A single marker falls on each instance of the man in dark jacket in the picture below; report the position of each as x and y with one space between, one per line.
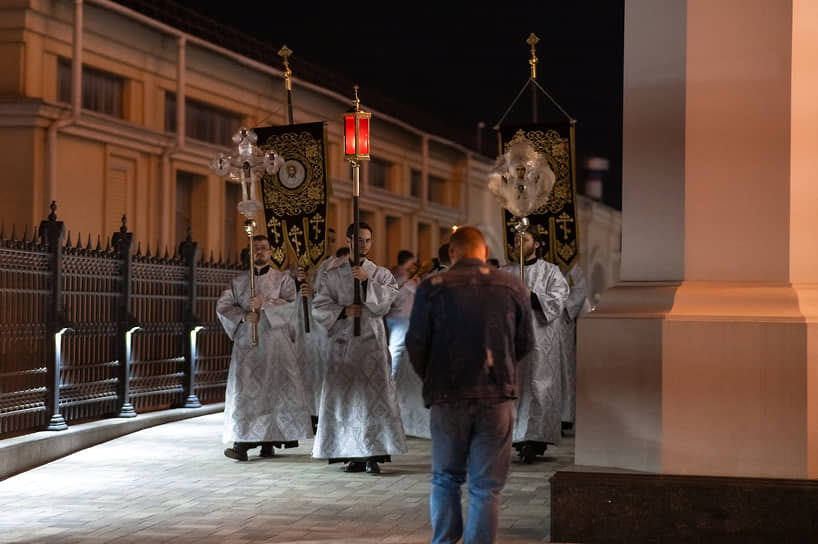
469 327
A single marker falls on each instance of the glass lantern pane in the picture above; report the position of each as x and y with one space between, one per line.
349 135
363 136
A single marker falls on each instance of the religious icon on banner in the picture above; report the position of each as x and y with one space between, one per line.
556 220
295 198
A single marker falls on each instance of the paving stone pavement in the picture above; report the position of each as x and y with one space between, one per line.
171 483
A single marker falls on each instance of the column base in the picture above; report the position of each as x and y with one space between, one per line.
192 402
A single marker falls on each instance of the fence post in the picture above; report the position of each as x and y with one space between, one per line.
126 326
190 254
53 232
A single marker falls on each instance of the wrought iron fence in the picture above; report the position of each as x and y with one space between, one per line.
88 332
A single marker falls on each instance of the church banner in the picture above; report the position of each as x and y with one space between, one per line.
295 198
555 221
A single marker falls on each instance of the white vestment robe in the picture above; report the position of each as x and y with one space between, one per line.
265 399
574 306
413 413
314 344
359 415
539 373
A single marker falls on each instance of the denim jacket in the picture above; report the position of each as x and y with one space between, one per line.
469 327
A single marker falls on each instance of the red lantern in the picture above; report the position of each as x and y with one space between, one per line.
356 132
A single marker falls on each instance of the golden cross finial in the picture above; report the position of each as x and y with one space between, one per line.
357 101
285 53
532 41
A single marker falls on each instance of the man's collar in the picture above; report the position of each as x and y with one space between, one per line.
263 270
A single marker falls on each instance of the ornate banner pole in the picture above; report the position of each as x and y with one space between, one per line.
356 149
285 53
243 165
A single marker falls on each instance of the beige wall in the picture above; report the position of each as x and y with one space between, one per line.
108 167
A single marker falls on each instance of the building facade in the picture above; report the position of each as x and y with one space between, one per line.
108 111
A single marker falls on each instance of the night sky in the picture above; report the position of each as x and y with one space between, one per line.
464 63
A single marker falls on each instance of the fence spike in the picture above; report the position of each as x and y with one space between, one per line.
211 257
108 244
88 243
2 230
13 232
68 239
166 257
99 243
25 233
79 240
148 252
139 249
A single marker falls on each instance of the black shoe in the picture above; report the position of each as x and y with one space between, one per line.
527 454
355 466
267 450
372 467
237 452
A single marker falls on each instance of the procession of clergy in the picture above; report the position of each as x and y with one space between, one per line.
358 395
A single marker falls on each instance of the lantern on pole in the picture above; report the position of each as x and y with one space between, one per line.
356 149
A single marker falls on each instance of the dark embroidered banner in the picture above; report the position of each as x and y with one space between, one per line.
295 198
556 221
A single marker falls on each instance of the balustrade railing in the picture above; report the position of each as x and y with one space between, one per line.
88 332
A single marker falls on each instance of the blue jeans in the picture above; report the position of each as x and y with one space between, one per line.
474 438
397 340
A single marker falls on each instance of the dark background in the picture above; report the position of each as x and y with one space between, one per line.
460 63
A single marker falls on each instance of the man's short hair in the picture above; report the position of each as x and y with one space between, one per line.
260 237
537 237
467 238
404 256
443 254
361 226
342 252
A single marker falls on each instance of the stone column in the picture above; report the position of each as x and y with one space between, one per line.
703 359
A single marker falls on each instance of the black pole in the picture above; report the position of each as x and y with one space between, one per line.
290 105
356 250
534 114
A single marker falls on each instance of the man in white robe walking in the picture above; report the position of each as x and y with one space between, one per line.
265 404
538 421
358 421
